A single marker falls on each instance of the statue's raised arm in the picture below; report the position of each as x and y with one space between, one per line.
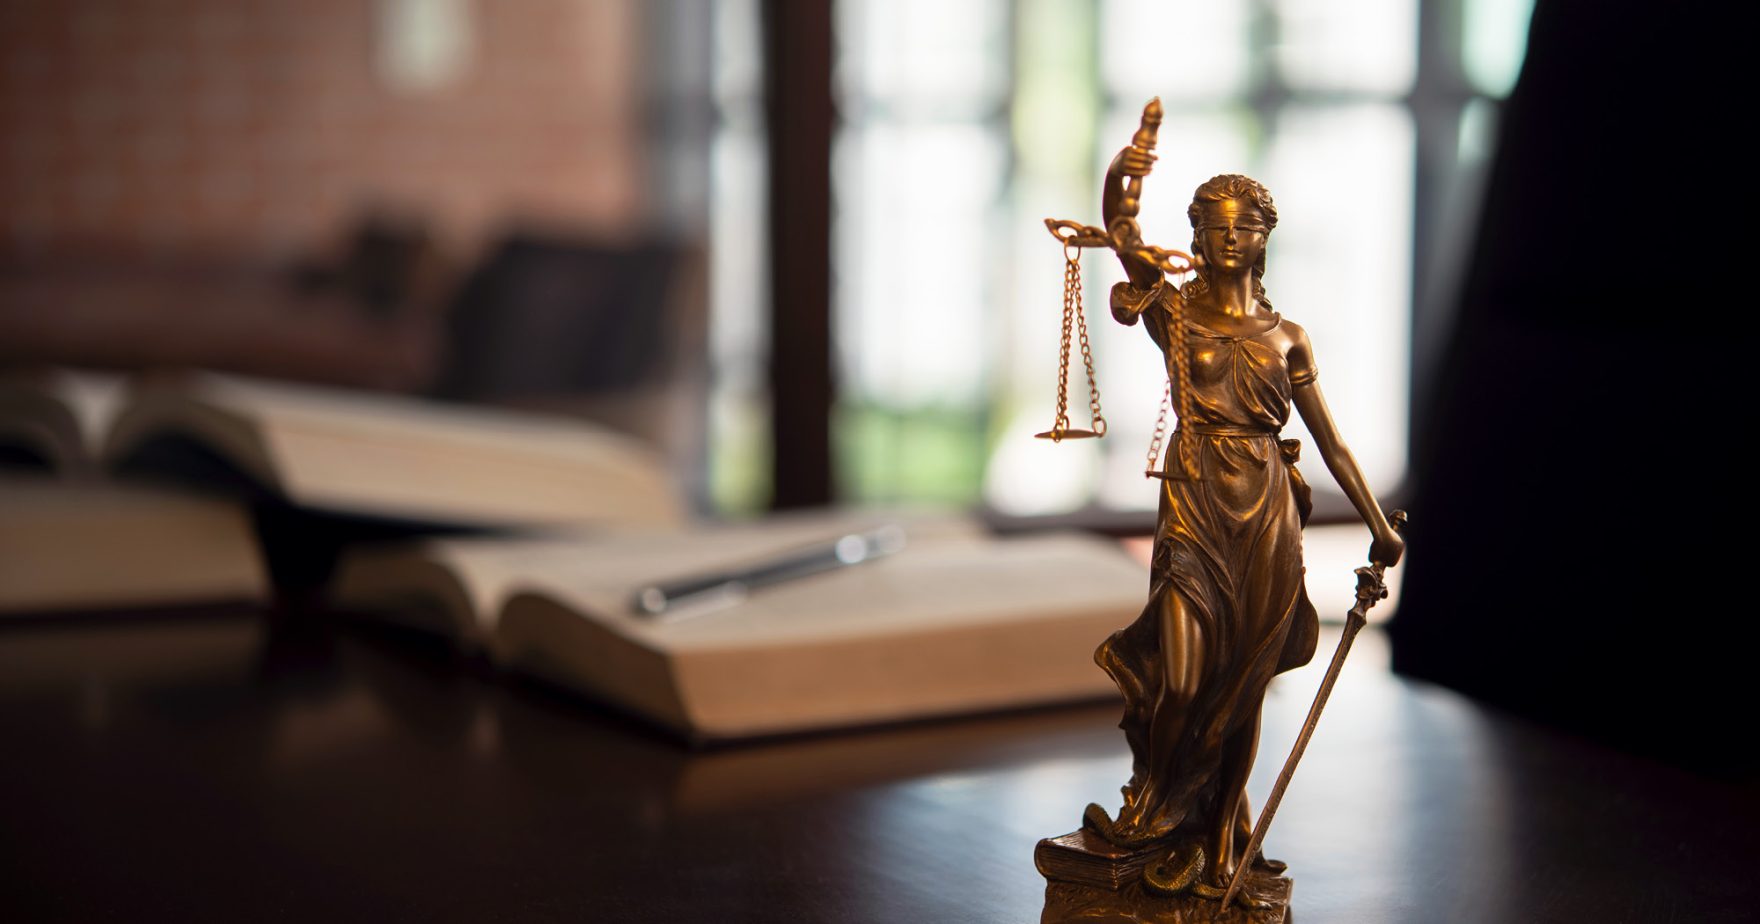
1121 199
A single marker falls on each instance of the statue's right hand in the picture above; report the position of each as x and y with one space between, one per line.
1133 161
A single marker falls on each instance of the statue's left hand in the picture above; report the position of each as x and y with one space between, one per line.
1387 549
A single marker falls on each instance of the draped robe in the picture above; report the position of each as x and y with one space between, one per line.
1230 545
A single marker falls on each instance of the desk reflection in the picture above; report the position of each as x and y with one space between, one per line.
204 766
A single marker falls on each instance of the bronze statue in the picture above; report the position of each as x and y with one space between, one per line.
1227 607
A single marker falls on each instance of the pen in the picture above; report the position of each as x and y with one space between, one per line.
726 588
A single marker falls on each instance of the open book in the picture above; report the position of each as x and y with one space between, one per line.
955 622
89 546
336 451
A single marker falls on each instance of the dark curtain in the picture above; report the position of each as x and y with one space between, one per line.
1580 537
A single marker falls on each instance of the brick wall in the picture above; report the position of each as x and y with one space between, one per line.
266 126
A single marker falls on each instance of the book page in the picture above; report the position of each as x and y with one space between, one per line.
935 581
608 566
404 458
949 624
94 399
59 414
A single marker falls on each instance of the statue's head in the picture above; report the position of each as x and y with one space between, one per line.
1237 202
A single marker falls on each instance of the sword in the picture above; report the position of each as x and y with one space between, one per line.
1370 588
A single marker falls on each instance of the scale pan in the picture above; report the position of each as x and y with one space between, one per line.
1066 435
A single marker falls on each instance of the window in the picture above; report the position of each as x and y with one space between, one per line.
961 133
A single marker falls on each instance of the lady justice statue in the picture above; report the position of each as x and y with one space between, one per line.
1227 608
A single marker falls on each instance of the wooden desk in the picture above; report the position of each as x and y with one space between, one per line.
219 769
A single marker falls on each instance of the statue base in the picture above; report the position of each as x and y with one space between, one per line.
1094 882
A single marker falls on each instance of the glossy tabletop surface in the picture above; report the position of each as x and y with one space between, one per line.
235 767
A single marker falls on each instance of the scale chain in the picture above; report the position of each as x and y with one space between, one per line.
1099 420
1072 282
1155 442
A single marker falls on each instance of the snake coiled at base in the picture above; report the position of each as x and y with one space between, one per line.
1169 877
